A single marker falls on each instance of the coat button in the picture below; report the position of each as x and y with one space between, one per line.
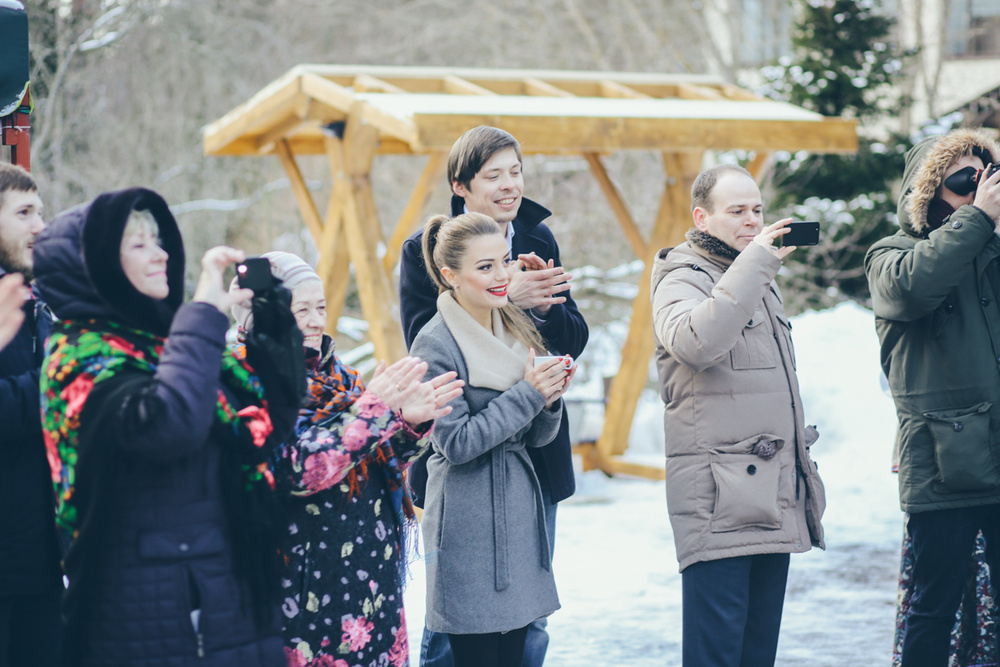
751 469
984 301
184 547
958 426
949 307
956 224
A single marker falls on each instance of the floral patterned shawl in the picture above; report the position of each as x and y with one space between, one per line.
83 354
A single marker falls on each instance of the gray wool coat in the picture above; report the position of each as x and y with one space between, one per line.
489 565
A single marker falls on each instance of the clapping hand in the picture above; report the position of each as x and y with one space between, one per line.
400 386
538 284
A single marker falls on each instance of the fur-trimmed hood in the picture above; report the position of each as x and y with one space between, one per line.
77 262
924 172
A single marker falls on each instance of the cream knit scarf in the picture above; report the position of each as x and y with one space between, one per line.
495 361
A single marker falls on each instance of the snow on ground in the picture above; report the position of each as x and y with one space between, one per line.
615 562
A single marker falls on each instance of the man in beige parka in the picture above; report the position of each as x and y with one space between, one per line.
742 492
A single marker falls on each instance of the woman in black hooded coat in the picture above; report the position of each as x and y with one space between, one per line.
158 439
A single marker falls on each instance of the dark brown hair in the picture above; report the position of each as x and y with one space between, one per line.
474 148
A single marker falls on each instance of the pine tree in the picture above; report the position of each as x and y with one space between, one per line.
843 64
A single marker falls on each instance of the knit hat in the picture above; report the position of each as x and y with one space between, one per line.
290 269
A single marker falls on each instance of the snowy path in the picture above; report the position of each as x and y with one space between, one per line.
615 562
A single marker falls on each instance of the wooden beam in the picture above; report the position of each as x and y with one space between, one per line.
363 232
617 203
454 85
275 102
414 209
534 86
307 207
760 164
365 83
280 130
633 374
343 99
687 91
615 89
563 134
334 266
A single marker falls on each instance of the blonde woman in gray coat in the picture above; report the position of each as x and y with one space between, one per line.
489 568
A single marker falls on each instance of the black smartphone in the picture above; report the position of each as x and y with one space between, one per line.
254 273
801 233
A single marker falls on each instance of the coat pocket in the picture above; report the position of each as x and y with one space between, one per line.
962 449
755 347
746 484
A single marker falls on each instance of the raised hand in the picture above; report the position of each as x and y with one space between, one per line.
537 287
988 197
771 232
211 289
394 384
430 399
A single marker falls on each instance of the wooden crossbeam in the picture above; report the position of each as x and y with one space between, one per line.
415 206
615 89
454 85
307 207
340 98
578 134
617 203
689 91
364 83
533 86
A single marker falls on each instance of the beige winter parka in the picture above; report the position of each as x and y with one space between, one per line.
738 474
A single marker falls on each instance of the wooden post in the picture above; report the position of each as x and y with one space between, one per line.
350 163
672 221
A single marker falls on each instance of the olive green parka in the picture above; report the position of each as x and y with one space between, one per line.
936 297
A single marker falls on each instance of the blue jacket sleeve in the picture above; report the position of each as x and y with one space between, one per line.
169 416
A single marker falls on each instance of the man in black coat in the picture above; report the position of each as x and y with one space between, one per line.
30 577
484 173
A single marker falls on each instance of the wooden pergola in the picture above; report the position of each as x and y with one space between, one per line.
353 113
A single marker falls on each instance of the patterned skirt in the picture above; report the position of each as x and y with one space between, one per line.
973 639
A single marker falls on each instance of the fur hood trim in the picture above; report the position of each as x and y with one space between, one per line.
926 164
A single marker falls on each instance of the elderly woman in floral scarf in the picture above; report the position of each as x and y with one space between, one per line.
348 514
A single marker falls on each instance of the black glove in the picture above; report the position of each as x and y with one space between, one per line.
274 347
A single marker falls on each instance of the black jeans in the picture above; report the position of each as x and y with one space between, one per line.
30 630
731 610
496 649
943 541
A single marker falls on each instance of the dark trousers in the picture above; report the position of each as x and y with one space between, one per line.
943 542
496 649
732 610
30 630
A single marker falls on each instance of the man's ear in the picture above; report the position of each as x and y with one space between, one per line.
700 216
459 189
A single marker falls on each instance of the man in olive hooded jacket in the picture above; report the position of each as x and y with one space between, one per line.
935 288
